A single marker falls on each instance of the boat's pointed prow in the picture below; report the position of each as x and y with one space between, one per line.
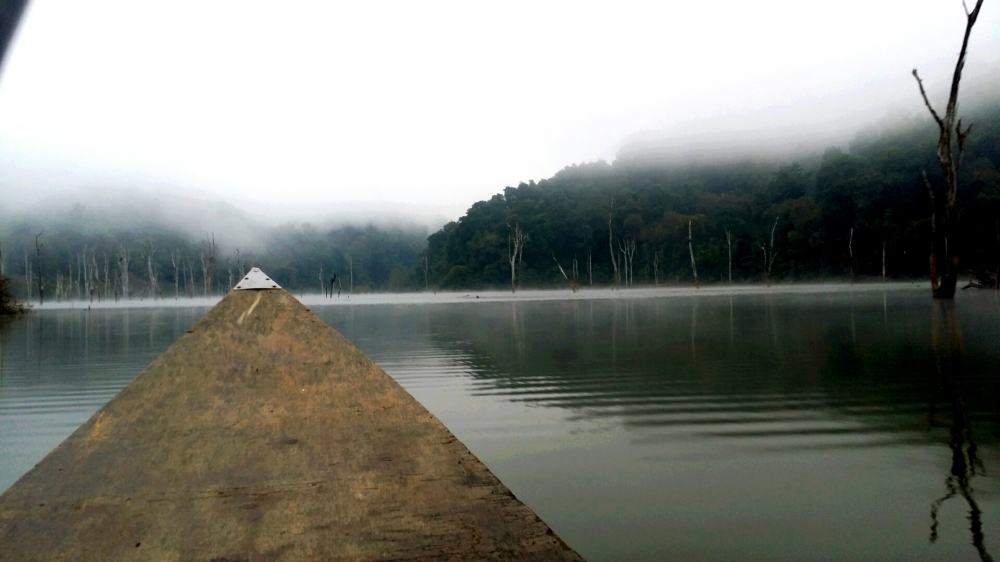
256 279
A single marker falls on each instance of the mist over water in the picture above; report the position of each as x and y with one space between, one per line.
843 424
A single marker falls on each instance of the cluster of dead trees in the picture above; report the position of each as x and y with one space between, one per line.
93 274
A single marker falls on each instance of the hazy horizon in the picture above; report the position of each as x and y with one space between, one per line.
395 110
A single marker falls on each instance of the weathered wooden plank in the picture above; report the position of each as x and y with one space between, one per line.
263 434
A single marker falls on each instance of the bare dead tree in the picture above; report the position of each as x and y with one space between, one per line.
123 269
107 278
322 283
569 281
427 274
694 268
590 267
95 271
151 276
729 249
177 274
516 239
769 253
27 275
943 268
627 248
850 250
41 271
350 270
189 283
208 264
84 272
611 242
656 267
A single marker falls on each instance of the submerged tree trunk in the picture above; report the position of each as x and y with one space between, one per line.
611 243
123 269
943 262
694 268
729 248
569 281
515 247
41 271
850 251
883 261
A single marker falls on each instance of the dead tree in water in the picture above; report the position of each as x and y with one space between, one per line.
107 278
729 249
627 248
177 274
515 248
694 268
850 251
123 269
950 150
656 267
41 272
573 285
769 253
611 242
154 285
207 264
27 276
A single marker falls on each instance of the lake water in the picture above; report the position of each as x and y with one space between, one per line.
827 423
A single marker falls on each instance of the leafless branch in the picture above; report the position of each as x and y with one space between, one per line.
927 102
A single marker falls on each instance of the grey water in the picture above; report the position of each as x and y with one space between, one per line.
849 423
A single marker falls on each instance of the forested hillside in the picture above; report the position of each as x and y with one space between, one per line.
860 211
850 212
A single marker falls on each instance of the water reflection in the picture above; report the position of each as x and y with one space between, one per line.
57 367
740 409
693 427
946 342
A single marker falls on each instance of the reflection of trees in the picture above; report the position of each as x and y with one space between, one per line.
946 343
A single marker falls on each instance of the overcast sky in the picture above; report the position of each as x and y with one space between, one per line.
425 107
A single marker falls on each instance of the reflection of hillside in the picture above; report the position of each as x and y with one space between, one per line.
720 386
831 374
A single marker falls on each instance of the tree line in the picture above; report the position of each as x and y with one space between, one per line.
73 261
856 212
862 211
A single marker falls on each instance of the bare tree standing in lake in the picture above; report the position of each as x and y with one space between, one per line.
208 264
41 272
950 150
611 242
769 253
123 268
694 268
177 274
154 285
729 250
515 247
850 251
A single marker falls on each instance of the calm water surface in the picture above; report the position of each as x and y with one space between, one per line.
841 425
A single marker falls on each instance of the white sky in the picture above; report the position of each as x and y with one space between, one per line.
426 107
